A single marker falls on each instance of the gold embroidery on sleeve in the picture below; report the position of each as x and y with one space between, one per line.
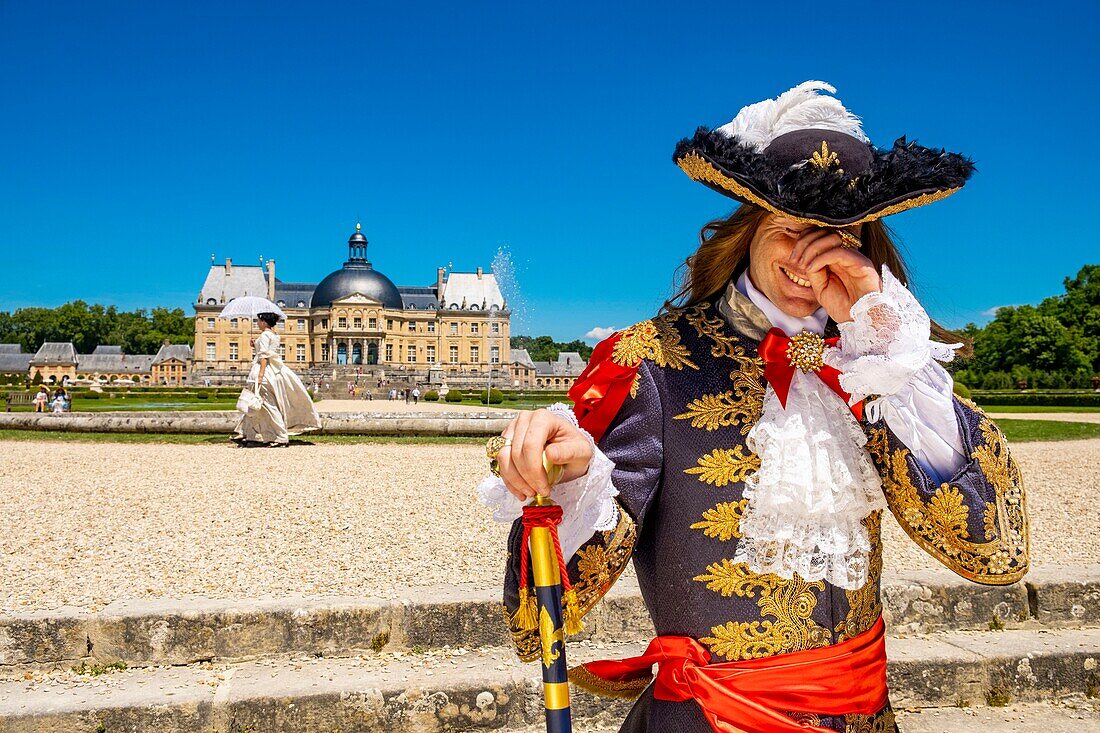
790 603
724 466
940 526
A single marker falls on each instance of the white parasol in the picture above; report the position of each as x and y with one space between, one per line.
250 306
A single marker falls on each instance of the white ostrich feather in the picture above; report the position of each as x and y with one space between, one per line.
799 108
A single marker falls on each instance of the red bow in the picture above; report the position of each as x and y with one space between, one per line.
779 368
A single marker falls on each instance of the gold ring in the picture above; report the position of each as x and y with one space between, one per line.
494 467
496 444
848 240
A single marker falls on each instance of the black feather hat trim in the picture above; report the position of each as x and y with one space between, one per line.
824 177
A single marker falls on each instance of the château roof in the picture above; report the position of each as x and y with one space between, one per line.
229 281
182 352
55 352
474 288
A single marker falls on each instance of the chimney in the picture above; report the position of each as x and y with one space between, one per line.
438 281
479 273
228 266
271 279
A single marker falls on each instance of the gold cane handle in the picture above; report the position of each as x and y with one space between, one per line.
553 475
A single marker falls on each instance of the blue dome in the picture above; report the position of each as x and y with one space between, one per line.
357 276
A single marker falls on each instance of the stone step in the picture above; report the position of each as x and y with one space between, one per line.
1068 716
490 689
181 632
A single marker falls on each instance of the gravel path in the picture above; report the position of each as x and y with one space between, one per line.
83 524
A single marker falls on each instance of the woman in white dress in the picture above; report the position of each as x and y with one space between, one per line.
287 407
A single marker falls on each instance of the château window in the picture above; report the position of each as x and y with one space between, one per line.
412 353
454 327
357 323
342 322
301 324
389 352
431 326
282 351
431 354
494 355
210 324
475 354
496 328
454 354
474 328
300 352
389 324
324 324
234 353
324 352
412 326
372 323
211 351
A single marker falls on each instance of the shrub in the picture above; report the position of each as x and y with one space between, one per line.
89 396
961 390
202 395
431 396
491 397
1041 399
454 395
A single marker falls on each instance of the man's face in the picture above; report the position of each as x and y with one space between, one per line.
773 273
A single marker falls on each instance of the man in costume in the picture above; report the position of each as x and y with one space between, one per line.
740 446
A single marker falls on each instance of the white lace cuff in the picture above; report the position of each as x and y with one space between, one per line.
886 343
587 502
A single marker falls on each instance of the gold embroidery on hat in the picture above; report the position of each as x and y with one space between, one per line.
825 158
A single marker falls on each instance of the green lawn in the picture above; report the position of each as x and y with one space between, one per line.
1020 431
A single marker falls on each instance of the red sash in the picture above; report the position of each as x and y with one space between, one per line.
751 696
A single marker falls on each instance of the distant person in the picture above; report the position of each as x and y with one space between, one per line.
287 407
41 398
393 393
60 400
416 395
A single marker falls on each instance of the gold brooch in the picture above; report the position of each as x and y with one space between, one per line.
806 351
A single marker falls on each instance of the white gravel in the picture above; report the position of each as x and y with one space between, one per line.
84 524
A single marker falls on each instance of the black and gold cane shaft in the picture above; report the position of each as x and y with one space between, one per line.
544 565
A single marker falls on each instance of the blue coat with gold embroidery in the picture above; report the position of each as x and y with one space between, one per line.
678 444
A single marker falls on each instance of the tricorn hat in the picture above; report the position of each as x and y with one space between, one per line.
805 156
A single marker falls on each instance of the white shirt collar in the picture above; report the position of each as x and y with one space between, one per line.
790 325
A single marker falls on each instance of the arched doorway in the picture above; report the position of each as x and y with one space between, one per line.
342 354
357 353
372 353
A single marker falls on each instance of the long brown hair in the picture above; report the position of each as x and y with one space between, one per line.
724 251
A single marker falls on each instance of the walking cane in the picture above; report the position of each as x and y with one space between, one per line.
547 566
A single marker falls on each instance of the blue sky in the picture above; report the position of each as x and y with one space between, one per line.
140 138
